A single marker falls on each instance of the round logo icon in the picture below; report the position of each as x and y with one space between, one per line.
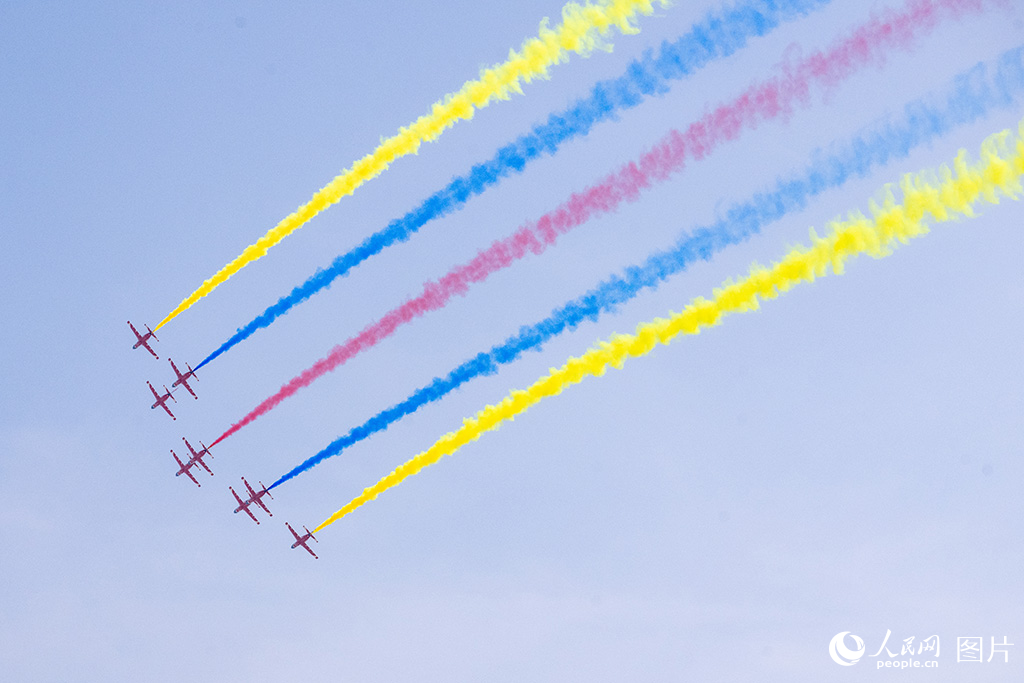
842 655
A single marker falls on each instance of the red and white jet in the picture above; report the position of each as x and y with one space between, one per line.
198 457
183 378
183 468
143 339
162 400
254 497
302 540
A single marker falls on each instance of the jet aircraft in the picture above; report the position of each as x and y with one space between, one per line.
183 378
162 400
302 540
143 339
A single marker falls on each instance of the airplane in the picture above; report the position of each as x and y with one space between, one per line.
243 506
162 400
198 457
183 378
183 468
143 339
302 540
254 497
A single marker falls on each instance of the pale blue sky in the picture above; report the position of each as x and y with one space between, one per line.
847 458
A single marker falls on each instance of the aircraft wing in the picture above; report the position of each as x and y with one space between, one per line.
310 551
168 410
251 516
199 459
293 531
184 383
259 502
155 395
188 471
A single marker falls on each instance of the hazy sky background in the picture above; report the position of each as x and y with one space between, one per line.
845 459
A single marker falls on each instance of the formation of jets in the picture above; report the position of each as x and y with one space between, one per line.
254 497
195 458
182 379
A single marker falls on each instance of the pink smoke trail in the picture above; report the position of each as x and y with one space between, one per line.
764 101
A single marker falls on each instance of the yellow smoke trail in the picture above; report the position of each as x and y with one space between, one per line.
581 31
942 196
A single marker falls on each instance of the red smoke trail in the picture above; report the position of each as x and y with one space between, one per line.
761 102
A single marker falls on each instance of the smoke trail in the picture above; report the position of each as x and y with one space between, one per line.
761 102
970 97
719 35
924 196
581 31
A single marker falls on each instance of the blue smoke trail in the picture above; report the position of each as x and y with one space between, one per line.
719 35
971 95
